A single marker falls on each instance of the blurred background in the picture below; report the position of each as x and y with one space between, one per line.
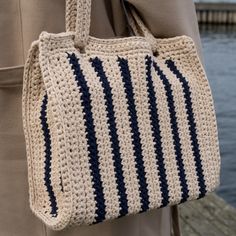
216 214
217 23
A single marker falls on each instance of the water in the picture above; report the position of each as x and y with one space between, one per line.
219 49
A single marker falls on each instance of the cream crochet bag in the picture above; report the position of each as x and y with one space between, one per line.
115 126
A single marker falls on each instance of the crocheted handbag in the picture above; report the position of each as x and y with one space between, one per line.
115 126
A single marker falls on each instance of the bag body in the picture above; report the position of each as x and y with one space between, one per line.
115 126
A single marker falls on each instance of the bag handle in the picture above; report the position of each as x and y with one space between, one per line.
139 28
78 18
78 15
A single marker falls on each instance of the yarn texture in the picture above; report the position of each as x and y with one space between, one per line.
113 130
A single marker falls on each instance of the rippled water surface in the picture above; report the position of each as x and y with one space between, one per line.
219 49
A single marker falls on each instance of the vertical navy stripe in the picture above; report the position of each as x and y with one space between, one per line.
175 132
156 133
107 90
126 77
48 156
192 126
91 137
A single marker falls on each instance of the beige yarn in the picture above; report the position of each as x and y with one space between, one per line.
78 14
56 123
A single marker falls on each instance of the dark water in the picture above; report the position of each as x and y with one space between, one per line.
219 49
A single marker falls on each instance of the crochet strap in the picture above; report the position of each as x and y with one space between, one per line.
139 27
71 13
78 14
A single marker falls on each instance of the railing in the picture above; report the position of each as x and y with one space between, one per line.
216 13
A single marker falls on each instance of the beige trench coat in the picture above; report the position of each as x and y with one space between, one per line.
21 21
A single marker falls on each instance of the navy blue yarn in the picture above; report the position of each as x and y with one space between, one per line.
175 132
157 134
91 138
48 156
107 90
126 77
192 126
62 188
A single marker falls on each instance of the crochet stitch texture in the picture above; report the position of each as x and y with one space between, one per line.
115 130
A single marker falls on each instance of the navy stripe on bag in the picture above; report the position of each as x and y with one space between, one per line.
48 156
91 137
136 140
107 90
192 126
175 132
156 133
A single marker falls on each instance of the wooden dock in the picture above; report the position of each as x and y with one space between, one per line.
216 13
210 216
